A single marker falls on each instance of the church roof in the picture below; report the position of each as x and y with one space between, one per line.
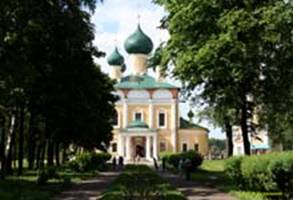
185 124
138 42
137 124
115 59
142 82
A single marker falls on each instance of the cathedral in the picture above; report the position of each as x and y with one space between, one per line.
147 121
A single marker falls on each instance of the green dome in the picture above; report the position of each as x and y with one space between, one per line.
138 42
115 58
137 124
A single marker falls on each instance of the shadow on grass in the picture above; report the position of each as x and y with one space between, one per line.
25 187
11 189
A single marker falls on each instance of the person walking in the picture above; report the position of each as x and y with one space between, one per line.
114 163
155 164
121 162
180 166
187 168
164 164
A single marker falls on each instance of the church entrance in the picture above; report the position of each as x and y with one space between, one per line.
139 146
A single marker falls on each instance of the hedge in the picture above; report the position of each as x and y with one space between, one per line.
174 159
139 182
89 161
267 173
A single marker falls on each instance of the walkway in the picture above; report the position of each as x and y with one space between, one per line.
194 190
89 189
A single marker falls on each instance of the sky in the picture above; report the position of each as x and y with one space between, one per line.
115 20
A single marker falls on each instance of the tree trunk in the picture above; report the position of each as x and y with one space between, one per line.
229 141
42 154
244 128
50 152
50 145
8 145
2 145
31 141
57 154
64 154
21 140
38 156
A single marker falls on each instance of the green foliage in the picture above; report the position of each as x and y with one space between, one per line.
140 182
89 161
47 174
217 145
47 68
281 171
268 172
233 169
223 51
195 158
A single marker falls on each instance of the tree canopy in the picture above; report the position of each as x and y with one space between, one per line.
52 94
238 54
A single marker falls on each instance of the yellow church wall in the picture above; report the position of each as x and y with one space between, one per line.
162 108
165 137
138 108
192 137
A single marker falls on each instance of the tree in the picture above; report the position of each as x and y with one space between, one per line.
217 146
52 85
227 49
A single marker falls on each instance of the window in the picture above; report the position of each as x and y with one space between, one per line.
114 147
184 147
196 148
162 146
162 119
138 116
115 119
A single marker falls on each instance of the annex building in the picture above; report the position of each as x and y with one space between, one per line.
148 120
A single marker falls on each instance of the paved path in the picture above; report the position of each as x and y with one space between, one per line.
195 191
89 189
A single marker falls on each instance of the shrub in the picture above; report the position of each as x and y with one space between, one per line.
46 174
281 171
270 172
141 182
195 158
89 161
233 170
255 173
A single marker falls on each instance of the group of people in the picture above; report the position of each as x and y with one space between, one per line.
184 165
120 162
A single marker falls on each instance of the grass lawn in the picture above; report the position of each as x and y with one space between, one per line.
25 188
212 173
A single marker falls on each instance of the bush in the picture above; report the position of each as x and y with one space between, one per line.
270 172
195 158
255 173
281 171
141 182
46 174
89 161
233 170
